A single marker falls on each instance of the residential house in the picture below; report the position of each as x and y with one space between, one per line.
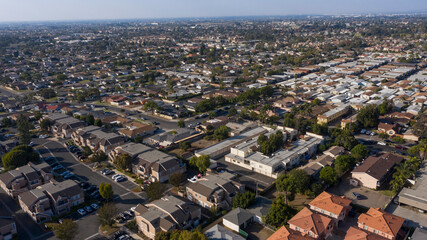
96 139
133 129
381 223
375 170
65 126
166 214
312 224
390 129
238 219
80 135
157 165
216 190
219 232
51 199
25 178
285 233
7 227
260 208
333 206
334 151
359 234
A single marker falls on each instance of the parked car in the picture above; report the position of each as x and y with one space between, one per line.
68 175
356 195
57 167
120 179
84 185
81 212
31 144
368 132
43 136
94 206
88 209
363 131
90 189
115 176
106 171
381 143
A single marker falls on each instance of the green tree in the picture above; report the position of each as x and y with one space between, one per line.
399 140
294 181
279 213
243 200
202 162
385 107
185 145
24 127
384 136
123 162
329 175
232 112
98 122
6 122
107 213
181 123
359 152
106 191
19 156
67 230
151 105
221 133
99 156
90 119
45 124
344 163
47 93
37 115
86 151
176 179
368 116
155 190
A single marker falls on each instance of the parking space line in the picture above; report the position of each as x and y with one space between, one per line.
92 236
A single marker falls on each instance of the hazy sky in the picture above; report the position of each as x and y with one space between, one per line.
35 10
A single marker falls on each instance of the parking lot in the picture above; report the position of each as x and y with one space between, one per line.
123 197
368 197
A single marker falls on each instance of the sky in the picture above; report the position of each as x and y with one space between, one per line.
58 10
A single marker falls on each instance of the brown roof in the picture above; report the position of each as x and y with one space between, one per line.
308 220
358 234
331 203
288 234
377 219
378 167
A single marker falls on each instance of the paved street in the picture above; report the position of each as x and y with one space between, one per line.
124 199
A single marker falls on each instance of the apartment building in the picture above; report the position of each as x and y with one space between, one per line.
334 114
66 126
96 139
379 222
157 165
166 214
312 224
25 178
51 199
214 190
333 206
246 154
7 227
376 170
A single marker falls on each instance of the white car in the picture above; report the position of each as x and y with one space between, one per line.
31 144
115 176
382 143
44 136
193 179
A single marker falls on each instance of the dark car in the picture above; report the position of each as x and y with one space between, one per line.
84 185
90 189
356 195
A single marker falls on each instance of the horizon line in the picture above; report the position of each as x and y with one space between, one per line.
422 12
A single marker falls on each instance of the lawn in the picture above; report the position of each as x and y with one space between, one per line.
300 201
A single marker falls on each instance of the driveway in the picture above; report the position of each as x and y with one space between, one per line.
369 198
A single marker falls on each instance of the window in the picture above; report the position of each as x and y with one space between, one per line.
322 211
365 227
297 228
375 231
310 234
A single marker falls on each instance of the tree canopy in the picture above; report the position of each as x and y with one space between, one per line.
67 230
106 191
368 116
19 156
123 162
329 175
279 213
243 200
202 162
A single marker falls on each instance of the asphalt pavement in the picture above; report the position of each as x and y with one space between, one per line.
123 197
